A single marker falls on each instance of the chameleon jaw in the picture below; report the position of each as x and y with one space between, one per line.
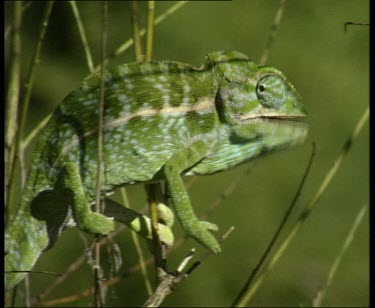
292 126
287 120
271 116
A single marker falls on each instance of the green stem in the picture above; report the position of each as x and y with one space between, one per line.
125 46
129 43
83 35
136 32
150 29
25 104
14 88
142 262
153 191
100 158
34 132
9 28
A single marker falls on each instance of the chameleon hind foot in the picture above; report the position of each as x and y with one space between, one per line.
139 223
165 214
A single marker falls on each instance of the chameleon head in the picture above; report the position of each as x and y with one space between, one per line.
258 101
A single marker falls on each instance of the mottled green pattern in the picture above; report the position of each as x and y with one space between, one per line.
161 120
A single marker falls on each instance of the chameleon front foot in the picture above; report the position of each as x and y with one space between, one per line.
209 226
201 232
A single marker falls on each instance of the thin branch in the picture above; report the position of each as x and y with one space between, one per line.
85 44
133 269
154 196
139 56
99 175
25 105
13 101
10 28
135 239
150 29
169 281
74 266
320 296
110 282
272 33
136 32
227 192
308 209
154 190
276 235
129 43
120 50
35 132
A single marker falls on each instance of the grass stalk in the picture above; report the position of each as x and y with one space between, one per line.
317 302
10 27
18 158
129 43
277 233
98 294
150 29
138 51
307 211
81 30
138 248
120 50
136 32
13 98
272 33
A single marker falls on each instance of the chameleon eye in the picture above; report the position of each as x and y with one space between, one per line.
262 88
271 91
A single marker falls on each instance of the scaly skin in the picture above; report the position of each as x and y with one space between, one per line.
162 120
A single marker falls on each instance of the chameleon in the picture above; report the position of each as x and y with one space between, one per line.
162 121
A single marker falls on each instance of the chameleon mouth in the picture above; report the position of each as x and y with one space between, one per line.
271 115
282 119
296 121
290 129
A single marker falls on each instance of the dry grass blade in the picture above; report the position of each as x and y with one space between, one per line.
272 33
317 302
277 233
306 212
129 43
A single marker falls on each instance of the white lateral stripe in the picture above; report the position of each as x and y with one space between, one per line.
204 104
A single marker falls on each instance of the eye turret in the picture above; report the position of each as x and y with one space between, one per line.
271 91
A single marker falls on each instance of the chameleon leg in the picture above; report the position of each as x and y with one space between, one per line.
180 198
137 222
86 219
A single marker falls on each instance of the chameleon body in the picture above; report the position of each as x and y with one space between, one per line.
162 120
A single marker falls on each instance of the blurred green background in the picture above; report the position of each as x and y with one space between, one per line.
329 67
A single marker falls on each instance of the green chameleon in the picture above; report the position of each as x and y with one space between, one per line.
162 120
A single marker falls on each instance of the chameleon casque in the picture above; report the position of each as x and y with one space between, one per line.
162 120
